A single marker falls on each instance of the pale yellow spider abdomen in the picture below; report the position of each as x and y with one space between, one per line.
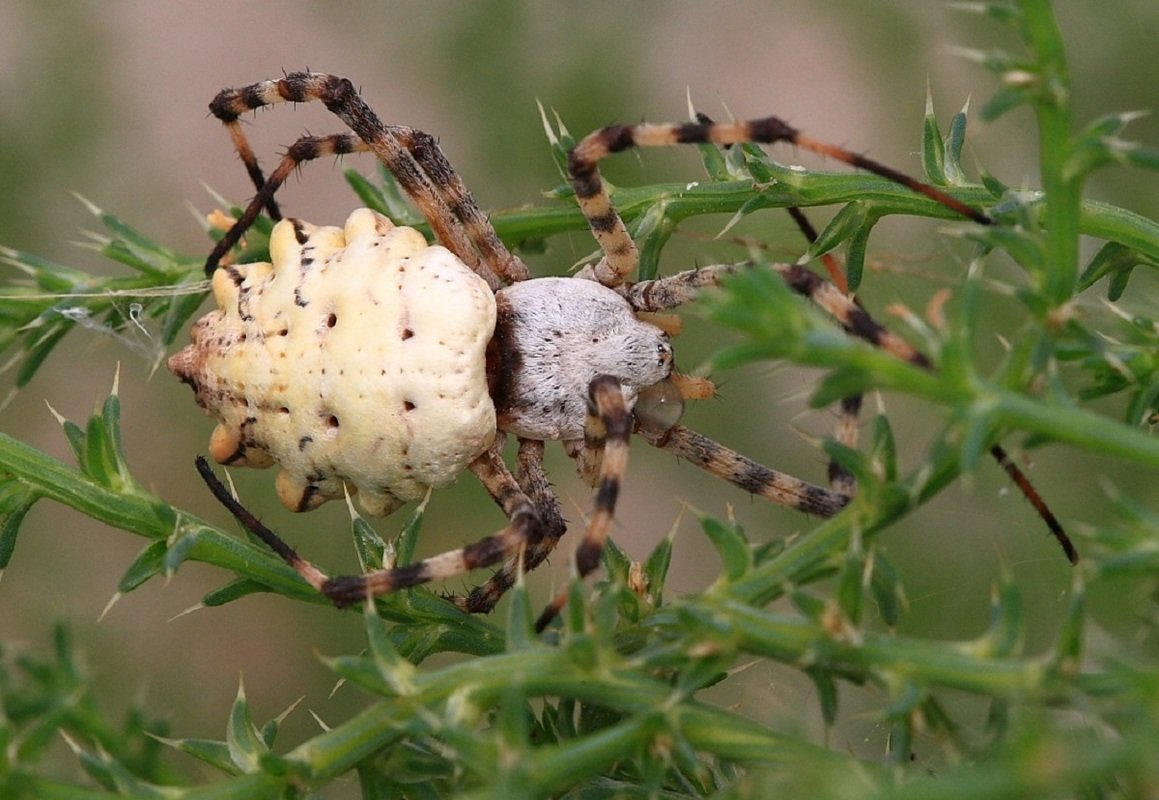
356 357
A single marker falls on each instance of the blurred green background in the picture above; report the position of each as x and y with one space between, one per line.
109 101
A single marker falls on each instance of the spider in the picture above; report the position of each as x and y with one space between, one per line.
364 360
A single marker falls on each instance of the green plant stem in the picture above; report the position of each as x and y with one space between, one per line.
146 516
544 672
1063 191
876 656
42 789
1075 427
684 201
1114 224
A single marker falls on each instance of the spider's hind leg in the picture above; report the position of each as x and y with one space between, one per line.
524 531
533 480
309 573
412 156
305 149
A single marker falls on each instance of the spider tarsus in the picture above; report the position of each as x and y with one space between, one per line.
548 615
1030 493
248 521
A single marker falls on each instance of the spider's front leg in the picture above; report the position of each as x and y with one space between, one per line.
608 427
744 473
655 417
667 293
621 256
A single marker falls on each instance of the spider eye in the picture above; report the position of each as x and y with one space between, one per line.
659 407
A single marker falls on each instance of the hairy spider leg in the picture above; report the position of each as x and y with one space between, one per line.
620 254
744 473
845 431
608 427
841 480
832 265
857 322
412 157
524 529
534 482
664 294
